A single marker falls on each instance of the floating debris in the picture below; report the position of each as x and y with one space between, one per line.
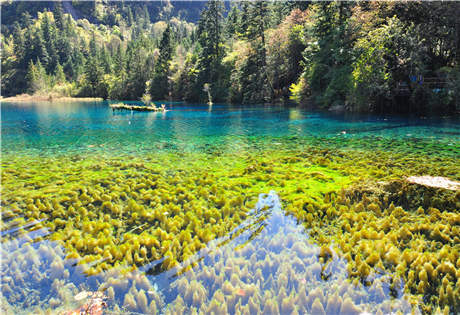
139 108
434 181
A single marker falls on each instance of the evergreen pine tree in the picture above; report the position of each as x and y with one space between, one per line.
18 45
118 60
105 60
146 17
231 25
93 75
92 46
159 84
330 71
49 37
68 27
58 15
130 18
26 19
32 75
36 77
259 88
59 75
137 75
212 52
244 20
39 49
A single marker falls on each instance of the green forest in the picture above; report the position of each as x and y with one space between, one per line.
357 56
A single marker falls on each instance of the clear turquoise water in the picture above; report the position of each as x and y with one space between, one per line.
63 127
268 251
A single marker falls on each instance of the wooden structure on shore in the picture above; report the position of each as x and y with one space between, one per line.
139 108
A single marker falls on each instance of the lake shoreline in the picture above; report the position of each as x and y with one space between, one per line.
47 98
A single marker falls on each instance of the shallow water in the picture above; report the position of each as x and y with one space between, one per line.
88 194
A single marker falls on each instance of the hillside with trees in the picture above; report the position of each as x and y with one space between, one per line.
359 56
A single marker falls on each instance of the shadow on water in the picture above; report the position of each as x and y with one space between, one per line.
267 264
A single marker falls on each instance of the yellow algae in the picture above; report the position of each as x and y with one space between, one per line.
183 211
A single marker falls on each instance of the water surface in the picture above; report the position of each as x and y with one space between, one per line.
180 196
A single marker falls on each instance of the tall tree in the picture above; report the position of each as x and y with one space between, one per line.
159 87
58 15
119 60
232 21
18 44
49 36
59 75
146 17
36 77
39 49
212 49
130 17
328 56
260 88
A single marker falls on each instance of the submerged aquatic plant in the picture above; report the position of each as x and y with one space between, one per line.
127 212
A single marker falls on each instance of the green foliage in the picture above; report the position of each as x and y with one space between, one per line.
367 56
59 76
210 34
232 21
385 59
36 77
328 54
159 86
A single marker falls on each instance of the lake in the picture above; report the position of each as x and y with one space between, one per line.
225 209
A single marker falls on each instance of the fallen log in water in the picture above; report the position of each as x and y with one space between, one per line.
436 182
139 108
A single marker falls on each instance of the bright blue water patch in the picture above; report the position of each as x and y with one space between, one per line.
62 127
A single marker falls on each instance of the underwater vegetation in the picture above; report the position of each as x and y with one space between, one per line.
28 267
279 272
118 217
397 227
39 279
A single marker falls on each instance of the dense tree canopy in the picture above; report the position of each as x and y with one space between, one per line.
366 56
